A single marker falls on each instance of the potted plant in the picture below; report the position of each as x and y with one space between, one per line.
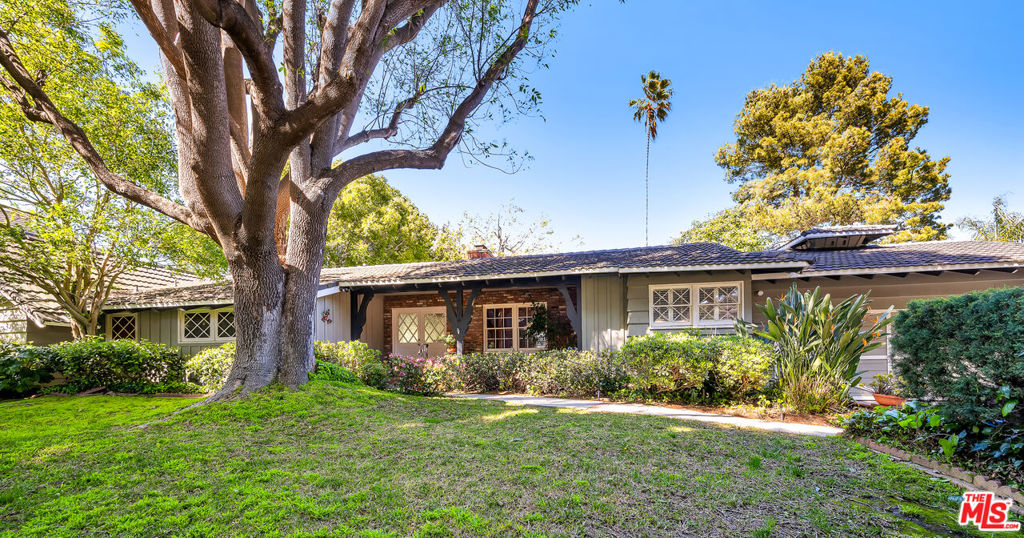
887 388
449 342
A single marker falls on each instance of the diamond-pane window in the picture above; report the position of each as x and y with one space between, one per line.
670 306
197 325
225 325
408 328
719 303
433 327
123 327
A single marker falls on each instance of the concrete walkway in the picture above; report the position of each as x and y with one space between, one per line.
658 411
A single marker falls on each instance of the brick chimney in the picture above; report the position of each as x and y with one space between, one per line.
478 251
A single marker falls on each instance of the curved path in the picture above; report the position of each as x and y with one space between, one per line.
659 411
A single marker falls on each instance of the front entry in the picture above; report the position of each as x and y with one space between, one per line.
418 331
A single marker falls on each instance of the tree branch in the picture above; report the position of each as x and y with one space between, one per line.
81 144
164 40
386 132
245 32
434 157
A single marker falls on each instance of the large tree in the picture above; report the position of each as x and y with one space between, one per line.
61 230
834 148
650 110
729 227
372 223
362 87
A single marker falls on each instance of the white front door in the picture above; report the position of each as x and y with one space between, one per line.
418 331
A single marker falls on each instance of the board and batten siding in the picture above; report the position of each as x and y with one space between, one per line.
638 295
340 327
886 291
602 312
373 329
162 326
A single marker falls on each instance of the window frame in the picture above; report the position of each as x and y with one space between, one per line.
110 324
215 336
695 321
515 327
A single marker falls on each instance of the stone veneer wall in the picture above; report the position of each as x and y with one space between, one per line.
475 335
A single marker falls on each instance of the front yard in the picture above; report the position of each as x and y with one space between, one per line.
344 459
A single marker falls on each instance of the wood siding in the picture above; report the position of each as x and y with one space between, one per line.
602 312
638 295
373 330
886 291
13 323
340 328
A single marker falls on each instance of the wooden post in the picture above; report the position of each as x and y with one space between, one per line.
572 312
459 314
359 307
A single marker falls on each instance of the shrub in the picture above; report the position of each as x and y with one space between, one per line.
210 367
351 355
743 366
963 349
668 362
329 371
374 374
819 346
569 372
487 372
24 367
120 366
411 375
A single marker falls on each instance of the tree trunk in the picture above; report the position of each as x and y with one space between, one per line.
258 287
305 259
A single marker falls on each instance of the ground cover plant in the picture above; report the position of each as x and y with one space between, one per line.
336 458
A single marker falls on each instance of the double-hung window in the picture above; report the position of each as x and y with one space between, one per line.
675 306
505 328
207 325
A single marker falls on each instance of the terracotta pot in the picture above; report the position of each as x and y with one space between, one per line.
452 350
887 399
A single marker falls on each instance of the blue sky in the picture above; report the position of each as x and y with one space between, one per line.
962 59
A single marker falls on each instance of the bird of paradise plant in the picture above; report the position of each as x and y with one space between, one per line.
819 344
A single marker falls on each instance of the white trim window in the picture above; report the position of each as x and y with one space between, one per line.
206 325
123 326
505 328
712 304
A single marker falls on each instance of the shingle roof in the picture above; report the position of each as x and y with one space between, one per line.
915 255
688 257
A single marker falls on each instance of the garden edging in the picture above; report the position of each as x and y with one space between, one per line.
966 479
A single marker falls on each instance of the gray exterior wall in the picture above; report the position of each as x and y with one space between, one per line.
13 323
48 334
886 291
602 312
638 295
340 327
373 329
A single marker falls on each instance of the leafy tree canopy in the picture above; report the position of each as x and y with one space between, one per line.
62 230
373 223
1004 226
729 227
834 148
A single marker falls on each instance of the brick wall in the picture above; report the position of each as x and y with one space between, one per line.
475 335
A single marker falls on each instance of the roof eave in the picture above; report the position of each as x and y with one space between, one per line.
893 269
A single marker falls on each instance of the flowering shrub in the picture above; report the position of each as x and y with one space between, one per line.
210 367
415 375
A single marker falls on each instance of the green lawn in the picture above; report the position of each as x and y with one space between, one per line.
340 459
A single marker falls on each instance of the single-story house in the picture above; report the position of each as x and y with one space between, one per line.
606 295
29 314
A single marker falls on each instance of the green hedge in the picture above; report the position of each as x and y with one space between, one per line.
24 367
963 349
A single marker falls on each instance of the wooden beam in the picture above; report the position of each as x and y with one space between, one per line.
358 307
460 314
573 312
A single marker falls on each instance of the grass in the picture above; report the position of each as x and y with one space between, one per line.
344 459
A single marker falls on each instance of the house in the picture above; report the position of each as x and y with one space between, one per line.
606 295
28 314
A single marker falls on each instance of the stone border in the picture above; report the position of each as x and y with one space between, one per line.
966 479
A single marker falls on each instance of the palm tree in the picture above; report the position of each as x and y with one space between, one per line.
1005 226
649 110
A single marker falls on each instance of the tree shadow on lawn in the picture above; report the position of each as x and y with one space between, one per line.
345 459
